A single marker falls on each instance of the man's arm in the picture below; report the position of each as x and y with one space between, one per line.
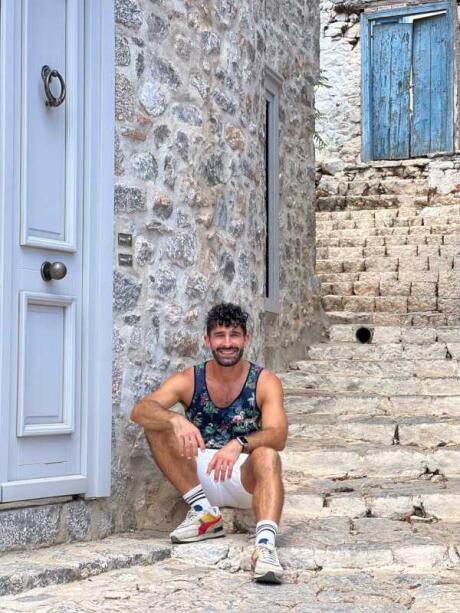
274 420
152 413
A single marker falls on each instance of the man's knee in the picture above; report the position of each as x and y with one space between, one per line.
159 439
266 460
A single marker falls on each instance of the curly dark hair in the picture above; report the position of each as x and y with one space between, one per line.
226 314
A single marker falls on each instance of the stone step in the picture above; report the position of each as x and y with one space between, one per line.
329 459
428 498
384 201
397 334
389 303
397 369
205 584
442 386
399 251
369 280
340 543
348 230
389 264
394 319
360 239
372 352
440 212
22 571
423 431
311 402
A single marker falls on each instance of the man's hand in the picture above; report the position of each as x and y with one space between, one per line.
188 436
223 461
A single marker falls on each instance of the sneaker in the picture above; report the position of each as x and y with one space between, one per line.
265 564
199 525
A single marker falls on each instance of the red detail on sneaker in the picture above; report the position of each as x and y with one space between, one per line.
207 524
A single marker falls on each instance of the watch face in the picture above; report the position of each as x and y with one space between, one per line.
244 440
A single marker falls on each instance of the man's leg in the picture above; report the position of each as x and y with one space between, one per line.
205 521
179 470
261 476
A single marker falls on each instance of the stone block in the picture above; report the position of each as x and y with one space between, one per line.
353 265
328 266
392 304
429 250
332 303
381 264
449 305
31 526
361 304
394 288
441 263
401 251
449 284
413 263
342 289
374 251
391 334
366 288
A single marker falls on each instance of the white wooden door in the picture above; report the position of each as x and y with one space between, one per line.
45 434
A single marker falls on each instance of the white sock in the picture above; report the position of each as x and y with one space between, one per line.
196 499
266 531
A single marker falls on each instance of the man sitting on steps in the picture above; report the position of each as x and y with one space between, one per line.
225 451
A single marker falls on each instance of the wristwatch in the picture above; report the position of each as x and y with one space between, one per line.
243 441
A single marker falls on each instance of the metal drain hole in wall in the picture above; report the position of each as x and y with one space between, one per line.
363 335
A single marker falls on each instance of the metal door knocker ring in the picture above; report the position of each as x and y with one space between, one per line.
47 76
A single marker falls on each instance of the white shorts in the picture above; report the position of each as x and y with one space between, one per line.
228 493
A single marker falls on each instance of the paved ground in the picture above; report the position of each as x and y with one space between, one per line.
210 576
173 585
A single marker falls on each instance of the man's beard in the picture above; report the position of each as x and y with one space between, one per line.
229 360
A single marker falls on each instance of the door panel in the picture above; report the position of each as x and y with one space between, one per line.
432 125
391 90
50 139
45 440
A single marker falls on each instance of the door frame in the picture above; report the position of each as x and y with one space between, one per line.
367 145
96 375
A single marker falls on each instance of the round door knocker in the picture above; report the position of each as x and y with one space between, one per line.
47 75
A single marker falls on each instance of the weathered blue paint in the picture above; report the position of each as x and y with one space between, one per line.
391 65
441 126
432 57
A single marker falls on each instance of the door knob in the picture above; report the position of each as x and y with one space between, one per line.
55 270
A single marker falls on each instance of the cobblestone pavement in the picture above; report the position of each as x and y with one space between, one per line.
173 585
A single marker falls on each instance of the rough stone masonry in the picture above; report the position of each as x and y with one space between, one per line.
190 188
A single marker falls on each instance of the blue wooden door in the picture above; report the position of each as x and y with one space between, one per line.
432 122
408 99
391 69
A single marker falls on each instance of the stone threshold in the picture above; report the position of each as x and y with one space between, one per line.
25 570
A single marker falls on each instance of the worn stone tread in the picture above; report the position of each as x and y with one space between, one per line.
175 585
439 386
383 368
335 458
422 431
21 571
429 498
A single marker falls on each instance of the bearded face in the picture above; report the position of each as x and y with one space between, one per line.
227 344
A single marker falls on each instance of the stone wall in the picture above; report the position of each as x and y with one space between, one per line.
340 37
189 188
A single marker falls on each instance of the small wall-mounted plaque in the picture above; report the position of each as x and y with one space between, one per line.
125 240
125 259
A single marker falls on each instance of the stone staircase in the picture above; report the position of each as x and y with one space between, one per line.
372 466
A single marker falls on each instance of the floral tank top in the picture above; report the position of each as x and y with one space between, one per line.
217 425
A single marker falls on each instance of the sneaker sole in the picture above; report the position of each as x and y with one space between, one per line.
268 577
193 539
